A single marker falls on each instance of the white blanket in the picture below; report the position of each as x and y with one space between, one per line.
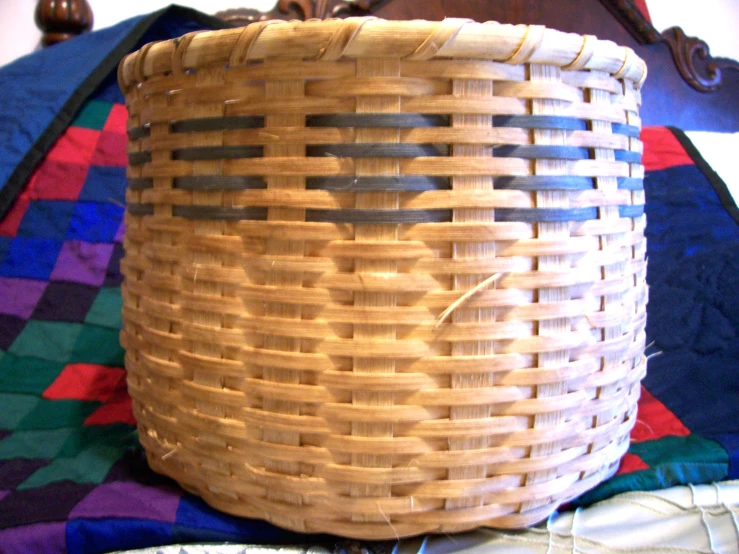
700 519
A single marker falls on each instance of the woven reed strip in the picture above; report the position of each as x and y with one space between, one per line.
366 68
429 200
132 267
545 74
161 285
462 314
610 302
639 296
287 90
436 105
328 397
206 315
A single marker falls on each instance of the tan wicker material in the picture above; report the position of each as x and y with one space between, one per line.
385 278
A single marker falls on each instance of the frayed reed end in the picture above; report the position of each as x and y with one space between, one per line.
466 296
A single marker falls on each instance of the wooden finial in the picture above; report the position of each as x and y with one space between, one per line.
61 20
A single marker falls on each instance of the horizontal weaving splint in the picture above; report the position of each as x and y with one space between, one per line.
385 278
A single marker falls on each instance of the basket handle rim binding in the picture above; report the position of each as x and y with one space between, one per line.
357 37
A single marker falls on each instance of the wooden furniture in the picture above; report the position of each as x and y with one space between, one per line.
686 87
60 20
690 54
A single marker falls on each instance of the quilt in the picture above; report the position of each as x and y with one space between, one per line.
73 477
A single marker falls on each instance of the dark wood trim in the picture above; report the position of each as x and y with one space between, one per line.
633 20
301 9
61 20
694 62
690 54
679 66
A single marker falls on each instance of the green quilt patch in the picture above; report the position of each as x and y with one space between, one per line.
34 444
672 461
93 115
98 345
14 408
56 414
26 375
48 340
107 308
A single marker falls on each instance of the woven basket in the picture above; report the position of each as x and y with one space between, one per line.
384 278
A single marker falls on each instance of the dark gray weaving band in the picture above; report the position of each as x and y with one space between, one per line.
140 209
636 210
558 215
397 217
217 153
140 183
545 215
563 182
631 183
558 122
139 158
627 156
378 216
220 212
395 120
219 182
377 150
539 151
217 124
405 120
542 151
544 182
389 183
539 122
385 150
629 130
203 124
138 133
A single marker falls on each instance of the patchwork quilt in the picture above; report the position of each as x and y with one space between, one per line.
73 477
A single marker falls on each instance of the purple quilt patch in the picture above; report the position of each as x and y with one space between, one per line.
44 537
20 296
83 262
130 500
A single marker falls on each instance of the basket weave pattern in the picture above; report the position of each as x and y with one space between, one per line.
384 278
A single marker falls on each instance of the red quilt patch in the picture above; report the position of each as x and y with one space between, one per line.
91 382
76 145
10 223
111 150
664 150
116 122
655 421
57 180
631 463
118 410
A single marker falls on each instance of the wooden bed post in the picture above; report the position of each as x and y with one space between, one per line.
61 20
301 9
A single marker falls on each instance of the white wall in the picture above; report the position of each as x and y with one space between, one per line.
19 35
108 13
715 21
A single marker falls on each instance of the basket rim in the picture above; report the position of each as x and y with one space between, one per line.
363 37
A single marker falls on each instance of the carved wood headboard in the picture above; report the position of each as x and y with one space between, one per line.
686 87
